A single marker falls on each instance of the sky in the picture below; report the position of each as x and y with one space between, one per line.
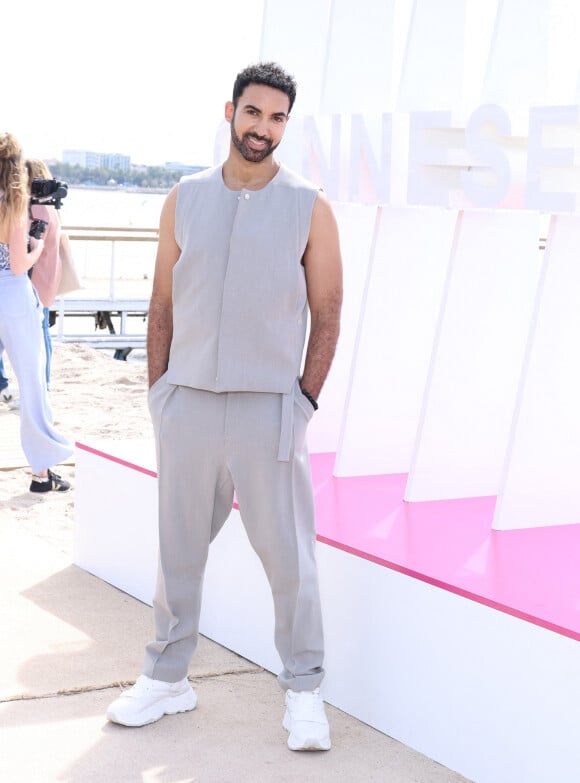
147 79
150 78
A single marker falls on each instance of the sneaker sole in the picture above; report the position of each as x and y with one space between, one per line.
182 703
50 489
309 743
305 742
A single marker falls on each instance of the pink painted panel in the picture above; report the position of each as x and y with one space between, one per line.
532 574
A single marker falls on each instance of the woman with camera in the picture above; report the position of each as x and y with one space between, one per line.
20 323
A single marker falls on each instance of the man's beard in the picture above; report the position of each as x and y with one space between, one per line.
247 152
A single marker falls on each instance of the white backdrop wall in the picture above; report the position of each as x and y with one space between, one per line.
444 133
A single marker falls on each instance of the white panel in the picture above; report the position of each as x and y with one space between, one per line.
541 479
115 533
562 77
396 339
432 75
488 695
294 35
356 223
477 358
290 150
360 58
479 26
516 72
237 608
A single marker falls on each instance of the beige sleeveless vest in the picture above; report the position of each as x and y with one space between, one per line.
239 290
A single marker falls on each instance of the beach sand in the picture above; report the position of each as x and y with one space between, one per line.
92 396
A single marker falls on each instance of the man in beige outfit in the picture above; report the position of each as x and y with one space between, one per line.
246 251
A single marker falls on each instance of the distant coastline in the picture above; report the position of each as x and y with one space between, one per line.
120 188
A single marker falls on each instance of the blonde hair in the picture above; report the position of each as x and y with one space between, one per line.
37 169
13 181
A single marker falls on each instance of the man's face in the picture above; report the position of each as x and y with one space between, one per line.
258 121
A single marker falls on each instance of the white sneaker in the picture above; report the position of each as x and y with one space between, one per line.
148 700
305 720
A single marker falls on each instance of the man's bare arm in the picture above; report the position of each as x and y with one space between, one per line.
323 267
160 319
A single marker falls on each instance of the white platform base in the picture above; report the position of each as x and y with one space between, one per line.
484 693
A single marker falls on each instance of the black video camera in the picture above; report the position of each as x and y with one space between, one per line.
48 191
37 229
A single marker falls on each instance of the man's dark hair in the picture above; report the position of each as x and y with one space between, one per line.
270 74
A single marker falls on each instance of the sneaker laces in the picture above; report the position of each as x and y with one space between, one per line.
142 686
306 705
145 685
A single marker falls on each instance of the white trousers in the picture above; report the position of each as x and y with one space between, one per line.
22 337
207 445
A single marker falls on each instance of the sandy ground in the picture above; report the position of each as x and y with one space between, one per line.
92 396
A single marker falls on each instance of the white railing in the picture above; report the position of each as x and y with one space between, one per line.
115 235
114 304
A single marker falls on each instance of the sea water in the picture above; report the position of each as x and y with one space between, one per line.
111 207
118 269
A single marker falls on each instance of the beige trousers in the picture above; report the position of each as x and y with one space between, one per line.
207 445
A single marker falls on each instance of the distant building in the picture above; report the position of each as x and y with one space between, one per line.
116 162
82 158
87 159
